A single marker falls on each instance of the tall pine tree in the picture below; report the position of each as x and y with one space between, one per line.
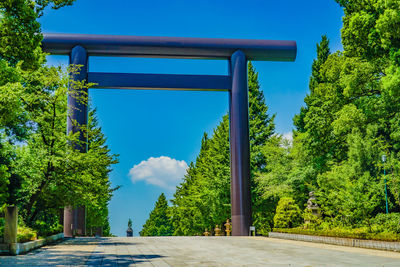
159 223
323 52
203 198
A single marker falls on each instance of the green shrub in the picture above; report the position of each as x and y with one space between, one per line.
264 229
45 229
288 214
25 234
386 222
2 227
358 233
311 221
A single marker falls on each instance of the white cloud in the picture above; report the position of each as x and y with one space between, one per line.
163 171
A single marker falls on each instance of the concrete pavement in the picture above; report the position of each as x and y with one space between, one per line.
199 251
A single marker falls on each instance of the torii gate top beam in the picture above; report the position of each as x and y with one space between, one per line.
169 47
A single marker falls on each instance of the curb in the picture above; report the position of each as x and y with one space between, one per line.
22 248
350 242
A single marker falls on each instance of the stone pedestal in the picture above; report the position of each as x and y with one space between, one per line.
98 231
11 224
11 228
129 232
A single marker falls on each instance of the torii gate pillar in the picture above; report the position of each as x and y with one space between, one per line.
75 218
240 146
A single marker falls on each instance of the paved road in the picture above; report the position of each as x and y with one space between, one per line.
199 251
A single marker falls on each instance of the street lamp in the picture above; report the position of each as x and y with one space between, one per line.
384 175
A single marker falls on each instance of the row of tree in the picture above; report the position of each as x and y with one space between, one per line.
350 119
40 171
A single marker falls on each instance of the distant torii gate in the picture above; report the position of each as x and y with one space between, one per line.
80 46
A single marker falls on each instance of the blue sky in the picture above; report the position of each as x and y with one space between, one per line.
156 133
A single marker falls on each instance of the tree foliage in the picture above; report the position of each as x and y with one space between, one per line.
40 171
203 198
20 34
350 118
288 214
159 222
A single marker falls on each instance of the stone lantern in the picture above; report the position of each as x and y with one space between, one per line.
312 204
312 211
217 231
228 227
206 233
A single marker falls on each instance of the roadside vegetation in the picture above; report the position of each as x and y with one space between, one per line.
350 118
40 171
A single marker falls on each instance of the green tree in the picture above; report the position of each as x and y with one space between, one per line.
261 124
203 198
351 116
97 208
20 62
273 182
291 167
39 169
323 52
20 34
54 173
314 120
188 207
262 128
159 222
288 214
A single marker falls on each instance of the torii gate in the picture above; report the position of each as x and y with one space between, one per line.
80 46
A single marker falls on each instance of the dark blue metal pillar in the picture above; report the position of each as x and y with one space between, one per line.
75 218
240 146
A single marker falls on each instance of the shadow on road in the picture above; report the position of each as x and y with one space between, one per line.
82 251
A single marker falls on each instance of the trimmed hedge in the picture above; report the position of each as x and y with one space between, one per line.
387 222
358 233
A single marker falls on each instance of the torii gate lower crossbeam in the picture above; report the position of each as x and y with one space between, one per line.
80 46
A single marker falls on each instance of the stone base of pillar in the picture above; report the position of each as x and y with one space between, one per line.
68 222
242 225
80 221
74 221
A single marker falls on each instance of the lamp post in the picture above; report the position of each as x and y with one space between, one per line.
384 175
